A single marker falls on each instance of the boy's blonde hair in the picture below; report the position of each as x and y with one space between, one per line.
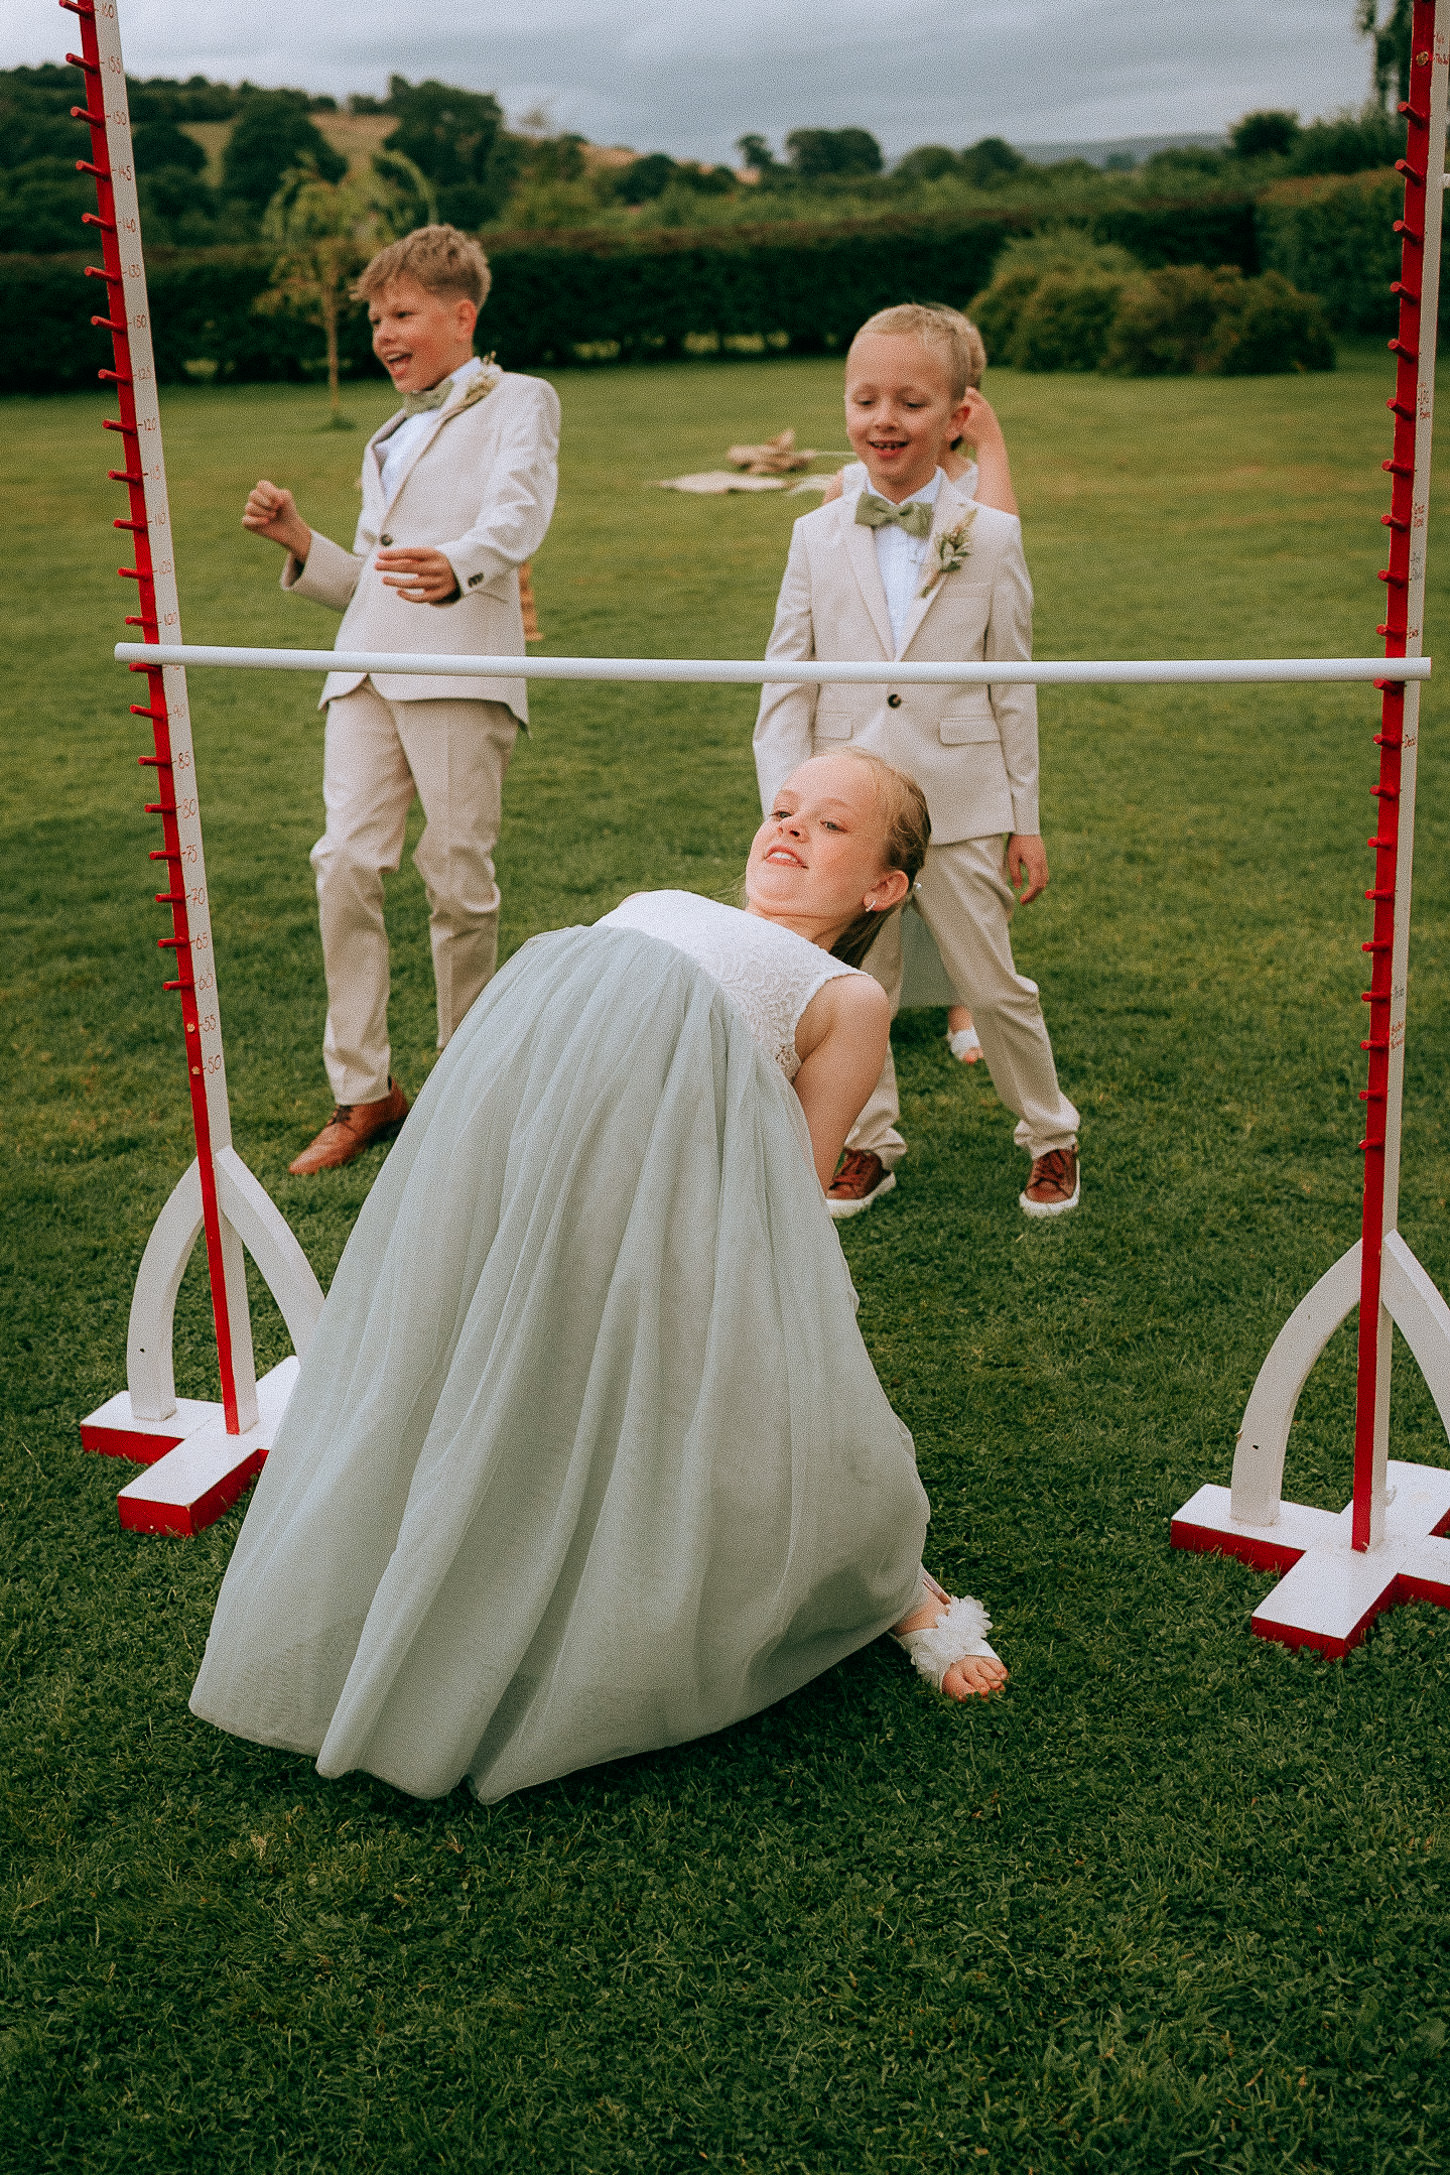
943 332
439 258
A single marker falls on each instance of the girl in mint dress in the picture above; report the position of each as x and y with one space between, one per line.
587 1457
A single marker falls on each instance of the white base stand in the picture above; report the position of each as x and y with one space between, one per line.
1331 1592
197 1470
189 1485
116 1430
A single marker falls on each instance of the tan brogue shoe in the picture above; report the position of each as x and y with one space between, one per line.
860 1179
1055 1185
351 1128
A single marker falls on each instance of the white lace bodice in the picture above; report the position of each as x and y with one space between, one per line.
770 973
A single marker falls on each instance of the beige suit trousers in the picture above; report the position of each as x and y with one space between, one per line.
378 754
967 903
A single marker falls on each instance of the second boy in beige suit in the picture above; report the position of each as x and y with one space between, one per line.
457 491
926 574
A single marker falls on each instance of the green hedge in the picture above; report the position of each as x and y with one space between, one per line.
201 308
1335 238
561 298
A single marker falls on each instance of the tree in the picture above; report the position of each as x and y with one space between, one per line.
161 145
928 162
643 179
1349 143
272 136
990 161
1391 41
818 154
458 140
758 157
325 231
1264 135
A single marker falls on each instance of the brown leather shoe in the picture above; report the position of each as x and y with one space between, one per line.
351 1128
861 1178
1055 1184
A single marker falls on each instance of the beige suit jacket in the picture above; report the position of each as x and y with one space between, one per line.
972 750
480 487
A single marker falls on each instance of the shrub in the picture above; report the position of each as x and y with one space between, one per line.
1268 327
1167 320
1335 238
1185 318
1066 320
1024 263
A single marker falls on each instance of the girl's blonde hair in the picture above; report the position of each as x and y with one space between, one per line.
908 834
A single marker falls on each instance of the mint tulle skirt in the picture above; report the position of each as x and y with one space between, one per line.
586 1457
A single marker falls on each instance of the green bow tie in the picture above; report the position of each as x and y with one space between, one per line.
875 513
423 403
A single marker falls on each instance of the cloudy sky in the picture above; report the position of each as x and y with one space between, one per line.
689 76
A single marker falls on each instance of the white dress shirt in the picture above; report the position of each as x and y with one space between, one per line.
900 557
393 454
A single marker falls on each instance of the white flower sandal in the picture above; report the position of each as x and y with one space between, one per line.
959 1634
965 1045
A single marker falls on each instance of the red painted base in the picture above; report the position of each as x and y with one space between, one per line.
195 1470
1330 1592
114 1432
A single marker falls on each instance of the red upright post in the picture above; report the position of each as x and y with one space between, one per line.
1412 406
127 320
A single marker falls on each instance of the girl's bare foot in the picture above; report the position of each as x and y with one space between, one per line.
952 1623
962 1035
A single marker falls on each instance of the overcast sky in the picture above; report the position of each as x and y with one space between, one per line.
689 76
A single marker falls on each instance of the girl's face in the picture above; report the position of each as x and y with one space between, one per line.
820 855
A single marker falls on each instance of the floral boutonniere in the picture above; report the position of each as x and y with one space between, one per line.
950 550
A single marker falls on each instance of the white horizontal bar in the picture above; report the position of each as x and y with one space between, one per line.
755 673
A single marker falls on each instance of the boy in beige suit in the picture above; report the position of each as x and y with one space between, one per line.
909 569
457 491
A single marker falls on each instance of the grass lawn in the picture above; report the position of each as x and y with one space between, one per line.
1177 1899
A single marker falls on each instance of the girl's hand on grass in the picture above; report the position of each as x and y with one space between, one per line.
420 577
272 512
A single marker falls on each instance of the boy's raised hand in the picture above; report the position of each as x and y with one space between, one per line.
1026 865
271 511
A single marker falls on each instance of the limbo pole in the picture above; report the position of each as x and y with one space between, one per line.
757 672
1388 1544
217 1195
